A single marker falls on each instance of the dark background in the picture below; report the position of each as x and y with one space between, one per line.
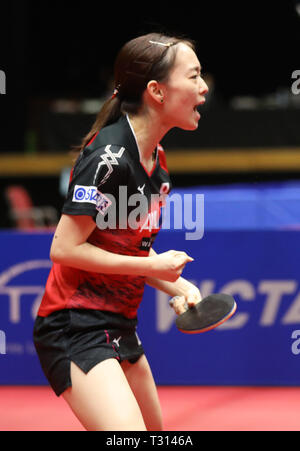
51 49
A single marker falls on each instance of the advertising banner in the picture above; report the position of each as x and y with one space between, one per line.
259 345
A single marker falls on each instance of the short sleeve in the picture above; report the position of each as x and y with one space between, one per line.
96 176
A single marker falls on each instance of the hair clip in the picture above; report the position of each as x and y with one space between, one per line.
162 43
116 92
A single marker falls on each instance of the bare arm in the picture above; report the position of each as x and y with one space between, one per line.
70 247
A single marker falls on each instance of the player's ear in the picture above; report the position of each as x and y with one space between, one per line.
155 91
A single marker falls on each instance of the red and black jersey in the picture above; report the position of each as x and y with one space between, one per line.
110 184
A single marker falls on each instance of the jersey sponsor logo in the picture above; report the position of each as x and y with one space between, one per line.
151 222
102 203
91 195
147 241
164 188
85 194
109 159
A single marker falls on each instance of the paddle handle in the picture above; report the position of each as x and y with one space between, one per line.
173 300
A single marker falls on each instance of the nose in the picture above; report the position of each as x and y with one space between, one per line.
203 87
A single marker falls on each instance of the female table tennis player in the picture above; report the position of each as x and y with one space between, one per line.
85 331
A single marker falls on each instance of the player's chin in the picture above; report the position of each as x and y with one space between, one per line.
193 125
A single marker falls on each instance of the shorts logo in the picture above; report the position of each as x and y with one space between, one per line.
116 341
85 194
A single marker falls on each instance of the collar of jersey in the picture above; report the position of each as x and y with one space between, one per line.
119 133
132 131
129 140
137 146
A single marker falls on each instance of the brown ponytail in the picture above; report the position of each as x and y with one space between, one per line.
109 113
148 57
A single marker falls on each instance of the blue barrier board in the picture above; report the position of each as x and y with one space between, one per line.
259 345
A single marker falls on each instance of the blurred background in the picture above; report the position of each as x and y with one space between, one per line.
58 59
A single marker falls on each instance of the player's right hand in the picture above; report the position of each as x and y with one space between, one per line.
168 265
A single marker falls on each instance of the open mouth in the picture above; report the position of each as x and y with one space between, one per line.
197 107
201 103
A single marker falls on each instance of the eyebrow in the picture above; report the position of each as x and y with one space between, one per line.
196 69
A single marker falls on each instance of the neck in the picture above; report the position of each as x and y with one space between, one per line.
148 132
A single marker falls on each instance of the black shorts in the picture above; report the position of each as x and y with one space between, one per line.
85 337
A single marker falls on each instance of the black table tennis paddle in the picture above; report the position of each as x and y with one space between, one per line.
207 314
